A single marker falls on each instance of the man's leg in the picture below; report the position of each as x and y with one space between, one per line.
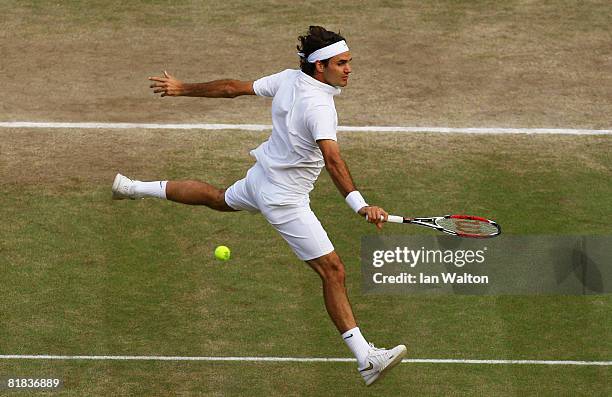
372 363
197 193
186 192
331 270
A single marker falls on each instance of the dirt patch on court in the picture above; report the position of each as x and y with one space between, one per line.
516 64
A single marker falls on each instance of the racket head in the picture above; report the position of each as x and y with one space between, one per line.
468 226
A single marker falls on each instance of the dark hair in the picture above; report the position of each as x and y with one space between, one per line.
316 38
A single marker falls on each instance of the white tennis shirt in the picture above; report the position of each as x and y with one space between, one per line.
303 112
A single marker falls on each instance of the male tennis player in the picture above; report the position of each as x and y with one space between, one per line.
303 140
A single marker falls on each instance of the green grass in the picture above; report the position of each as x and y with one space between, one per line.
85 275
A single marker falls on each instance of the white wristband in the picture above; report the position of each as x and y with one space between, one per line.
355 200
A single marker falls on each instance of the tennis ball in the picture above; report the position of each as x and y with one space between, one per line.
222 253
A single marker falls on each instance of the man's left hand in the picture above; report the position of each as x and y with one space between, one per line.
167 85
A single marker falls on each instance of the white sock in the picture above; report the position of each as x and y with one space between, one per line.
155 189
358 345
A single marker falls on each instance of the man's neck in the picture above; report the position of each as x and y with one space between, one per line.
321 78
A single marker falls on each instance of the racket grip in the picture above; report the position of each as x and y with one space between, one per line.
395 219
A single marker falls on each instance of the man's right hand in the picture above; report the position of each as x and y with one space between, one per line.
167 85
375 215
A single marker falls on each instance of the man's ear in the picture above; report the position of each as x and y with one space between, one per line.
319 66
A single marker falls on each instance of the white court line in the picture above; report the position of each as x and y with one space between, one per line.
263 127
298 359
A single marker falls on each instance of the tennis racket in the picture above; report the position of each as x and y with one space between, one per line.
457 225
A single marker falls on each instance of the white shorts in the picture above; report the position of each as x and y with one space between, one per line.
295 221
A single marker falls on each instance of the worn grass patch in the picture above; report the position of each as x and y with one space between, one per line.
443 63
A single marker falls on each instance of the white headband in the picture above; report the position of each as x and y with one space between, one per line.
327 52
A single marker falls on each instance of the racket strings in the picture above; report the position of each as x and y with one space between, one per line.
468 226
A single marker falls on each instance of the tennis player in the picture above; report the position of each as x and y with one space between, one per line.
303 141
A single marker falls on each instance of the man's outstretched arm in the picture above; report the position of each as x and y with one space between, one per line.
339 173
168 85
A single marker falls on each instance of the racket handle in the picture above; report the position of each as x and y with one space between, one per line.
395 219
392 219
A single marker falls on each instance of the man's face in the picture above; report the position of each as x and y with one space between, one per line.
338 69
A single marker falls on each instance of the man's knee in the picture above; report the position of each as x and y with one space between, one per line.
337 273
329 267
219 199
219 203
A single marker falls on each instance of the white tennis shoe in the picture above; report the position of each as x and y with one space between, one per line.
123 188
380 361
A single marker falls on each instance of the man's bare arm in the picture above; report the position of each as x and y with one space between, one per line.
336 167
339 173
168 85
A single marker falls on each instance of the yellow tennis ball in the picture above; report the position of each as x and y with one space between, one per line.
222 253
